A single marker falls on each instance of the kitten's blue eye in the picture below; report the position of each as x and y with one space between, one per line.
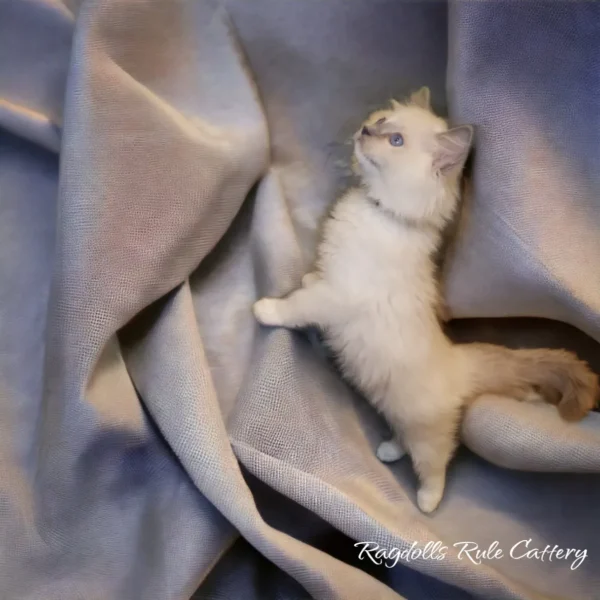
396 139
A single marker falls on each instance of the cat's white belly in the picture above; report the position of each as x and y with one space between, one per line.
383 324
384 351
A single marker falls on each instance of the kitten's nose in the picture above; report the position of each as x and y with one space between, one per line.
365 131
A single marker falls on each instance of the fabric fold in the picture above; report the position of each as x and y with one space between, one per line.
165 163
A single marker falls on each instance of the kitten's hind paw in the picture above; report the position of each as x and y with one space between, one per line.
390 451
266 312
429 499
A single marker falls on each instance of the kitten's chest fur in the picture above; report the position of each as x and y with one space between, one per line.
384 328
376 263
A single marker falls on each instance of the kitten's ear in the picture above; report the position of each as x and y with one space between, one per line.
452 149
421 98
395 104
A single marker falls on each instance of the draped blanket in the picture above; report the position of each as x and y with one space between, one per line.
164 163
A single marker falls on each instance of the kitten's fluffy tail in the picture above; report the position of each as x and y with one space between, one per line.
557 375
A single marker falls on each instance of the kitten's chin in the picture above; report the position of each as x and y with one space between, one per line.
362 160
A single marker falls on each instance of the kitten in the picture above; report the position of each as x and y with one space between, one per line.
374 295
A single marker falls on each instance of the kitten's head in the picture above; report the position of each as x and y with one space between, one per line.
410 161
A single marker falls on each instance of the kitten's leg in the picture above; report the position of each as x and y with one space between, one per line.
431 447
443 312
303 307
390 451
310 279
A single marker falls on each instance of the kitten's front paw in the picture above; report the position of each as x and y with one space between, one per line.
389 451
267 313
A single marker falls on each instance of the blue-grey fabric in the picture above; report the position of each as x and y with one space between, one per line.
164 163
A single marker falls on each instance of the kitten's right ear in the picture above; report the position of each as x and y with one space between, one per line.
452 149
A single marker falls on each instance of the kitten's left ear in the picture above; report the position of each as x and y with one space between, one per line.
452 149
421 98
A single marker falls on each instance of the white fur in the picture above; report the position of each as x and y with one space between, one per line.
390 451
374 294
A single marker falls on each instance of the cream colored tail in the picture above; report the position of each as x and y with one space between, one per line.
557 375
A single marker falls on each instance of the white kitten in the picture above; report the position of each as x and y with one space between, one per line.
374 295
